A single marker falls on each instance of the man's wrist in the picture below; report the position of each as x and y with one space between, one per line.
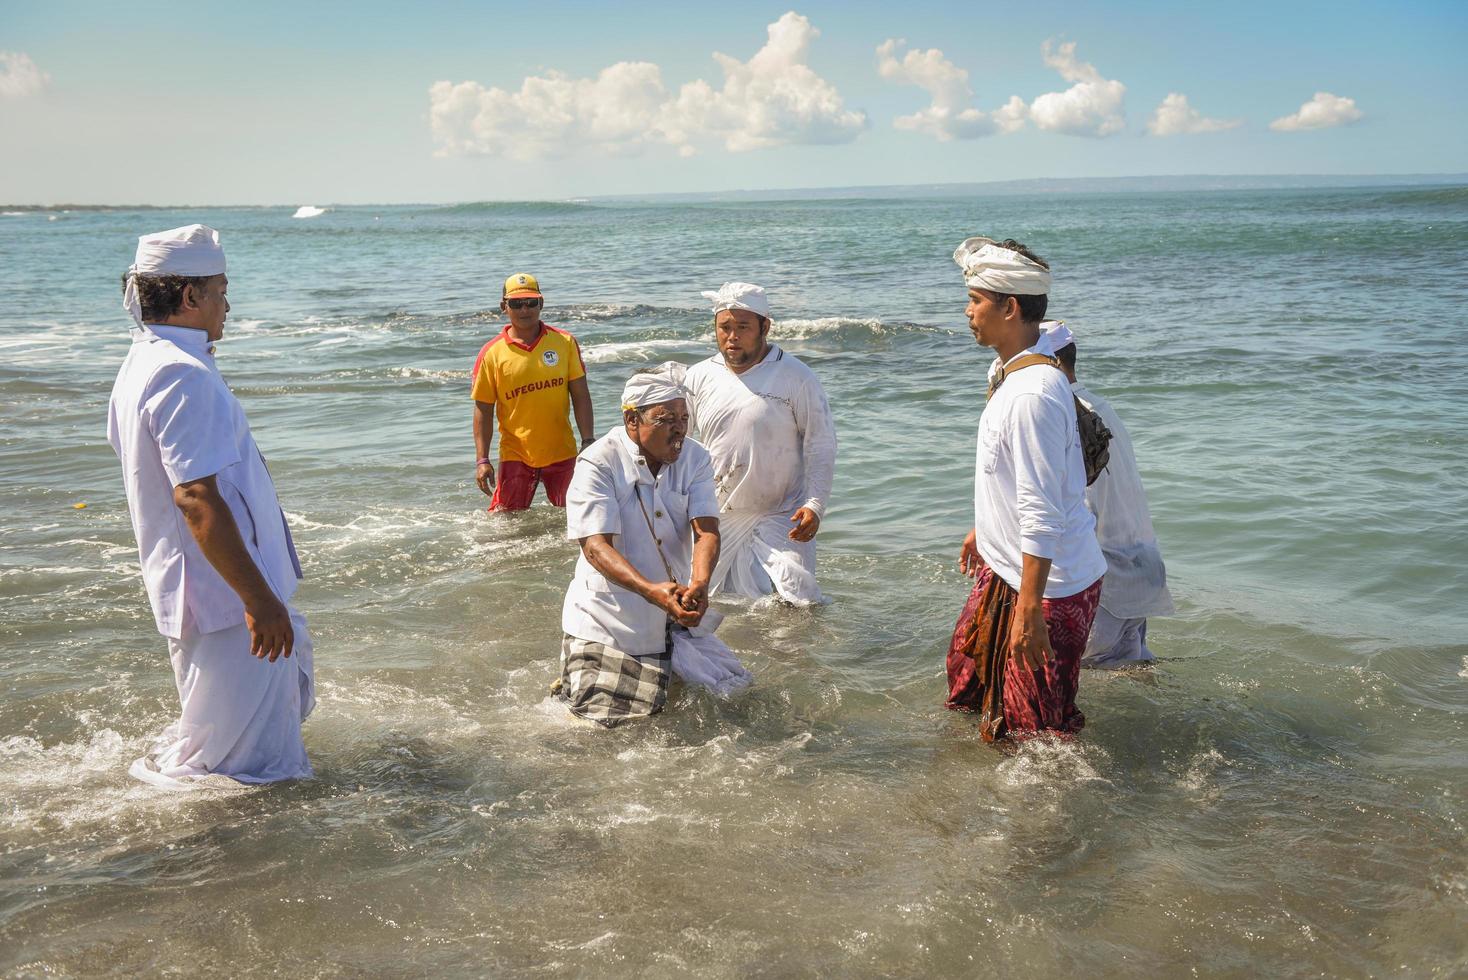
484 461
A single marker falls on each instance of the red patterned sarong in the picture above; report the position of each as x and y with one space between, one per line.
1009 697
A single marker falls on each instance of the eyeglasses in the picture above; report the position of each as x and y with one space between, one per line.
522 304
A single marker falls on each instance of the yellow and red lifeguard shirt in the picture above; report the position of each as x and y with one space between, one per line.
530 390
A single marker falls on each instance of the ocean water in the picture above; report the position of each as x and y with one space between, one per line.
1283 795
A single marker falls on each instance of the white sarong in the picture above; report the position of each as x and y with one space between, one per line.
240 717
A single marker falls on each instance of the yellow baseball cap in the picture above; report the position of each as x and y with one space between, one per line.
521 284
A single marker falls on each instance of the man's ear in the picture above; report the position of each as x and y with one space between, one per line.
189 299
764 327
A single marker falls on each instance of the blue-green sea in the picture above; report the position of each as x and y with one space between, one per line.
1284 794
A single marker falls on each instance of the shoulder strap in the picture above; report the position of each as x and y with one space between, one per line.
1029 360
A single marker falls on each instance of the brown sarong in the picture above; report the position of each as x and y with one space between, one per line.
1011 698
979 653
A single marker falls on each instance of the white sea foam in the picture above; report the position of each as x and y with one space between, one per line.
1050 762
309 211
622 352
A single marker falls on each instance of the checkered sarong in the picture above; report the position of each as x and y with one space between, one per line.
607 686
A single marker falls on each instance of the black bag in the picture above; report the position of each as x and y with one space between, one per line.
1095 437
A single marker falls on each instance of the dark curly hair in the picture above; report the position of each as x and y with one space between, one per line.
162 296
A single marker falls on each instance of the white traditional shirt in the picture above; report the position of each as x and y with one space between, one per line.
173 420
769 431
1136 579
1030 482
614 492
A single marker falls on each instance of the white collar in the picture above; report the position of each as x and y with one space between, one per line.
191 339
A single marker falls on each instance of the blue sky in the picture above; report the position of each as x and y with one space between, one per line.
292 103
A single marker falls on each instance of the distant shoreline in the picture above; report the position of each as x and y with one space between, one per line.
1042 185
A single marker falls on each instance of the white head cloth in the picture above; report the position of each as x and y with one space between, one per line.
1000 270
192 250
739 296
647 388
1054 334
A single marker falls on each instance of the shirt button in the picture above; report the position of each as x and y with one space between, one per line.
657 513
642 462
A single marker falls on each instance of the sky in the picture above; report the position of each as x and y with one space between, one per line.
317 102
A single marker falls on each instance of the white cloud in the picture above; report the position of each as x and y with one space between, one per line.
550 115
1090 107
1174 117
773 99
950 116
19 76
1322 112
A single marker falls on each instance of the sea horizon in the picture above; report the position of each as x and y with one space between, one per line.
1158 183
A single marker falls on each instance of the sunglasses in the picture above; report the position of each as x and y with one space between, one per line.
522 304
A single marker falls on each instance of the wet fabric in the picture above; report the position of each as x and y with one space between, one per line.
701 658
1116 642
1136 578
239 716
515 483
770 434
758 558
1011 699
603 684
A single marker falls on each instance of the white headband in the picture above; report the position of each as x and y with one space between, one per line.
192 250
739 296
986 265
648 388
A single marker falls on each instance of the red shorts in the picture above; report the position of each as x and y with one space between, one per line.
514 483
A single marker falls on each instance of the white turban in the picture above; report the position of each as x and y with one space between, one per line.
648 388
192 250
1054 334
739 296
1000 270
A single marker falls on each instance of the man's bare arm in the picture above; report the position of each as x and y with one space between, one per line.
610 562
213 527
581 408
483 432
706 545
1029 637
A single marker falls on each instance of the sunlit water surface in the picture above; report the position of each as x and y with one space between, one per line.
1282 795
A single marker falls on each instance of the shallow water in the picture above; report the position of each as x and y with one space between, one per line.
1283 794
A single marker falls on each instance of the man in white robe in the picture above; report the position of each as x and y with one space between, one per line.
1135 586
764 418
216 552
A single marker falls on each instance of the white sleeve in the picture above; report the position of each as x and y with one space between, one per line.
818 437
591 502
703 496
191 417
1037 442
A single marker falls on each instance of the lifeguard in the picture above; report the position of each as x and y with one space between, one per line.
528 376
